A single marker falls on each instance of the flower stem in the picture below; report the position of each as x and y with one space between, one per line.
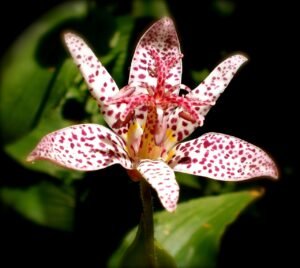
147 223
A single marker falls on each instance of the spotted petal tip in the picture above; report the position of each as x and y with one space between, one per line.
100 83
31 157
162 178
158 49
217 81
82 147
223 157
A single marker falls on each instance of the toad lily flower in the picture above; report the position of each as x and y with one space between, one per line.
149 118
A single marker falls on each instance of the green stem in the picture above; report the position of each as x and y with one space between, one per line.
147 223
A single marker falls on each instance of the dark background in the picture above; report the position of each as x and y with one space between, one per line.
260 107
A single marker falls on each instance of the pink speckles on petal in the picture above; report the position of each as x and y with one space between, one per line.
149 117
160 43
214 85
82 147
99 81
222 157
181 121
179 128
162 178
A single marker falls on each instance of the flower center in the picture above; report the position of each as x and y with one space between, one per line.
163 95
161 99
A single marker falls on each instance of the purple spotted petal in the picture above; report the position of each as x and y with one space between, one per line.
179 128
99 81
159 45
162 178
208 91
82 147
214 85
222 157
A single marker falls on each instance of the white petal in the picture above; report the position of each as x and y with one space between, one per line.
82 147
222 157
162 178
162 38
100 83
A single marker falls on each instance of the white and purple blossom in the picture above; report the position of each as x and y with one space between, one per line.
149 118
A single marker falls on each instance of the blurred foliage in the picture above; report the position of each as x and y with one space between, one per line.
25 82
224 7
192 234
43 203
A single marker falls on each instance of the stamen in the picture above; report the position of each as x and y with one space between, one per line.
187 116
133 103
162 96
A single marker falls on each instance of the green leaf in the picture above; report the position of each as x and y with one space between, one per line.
122 36
51 120
150 8
44 203
199 76
224 7
33 103
137 255
25 79
192 234
188 180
